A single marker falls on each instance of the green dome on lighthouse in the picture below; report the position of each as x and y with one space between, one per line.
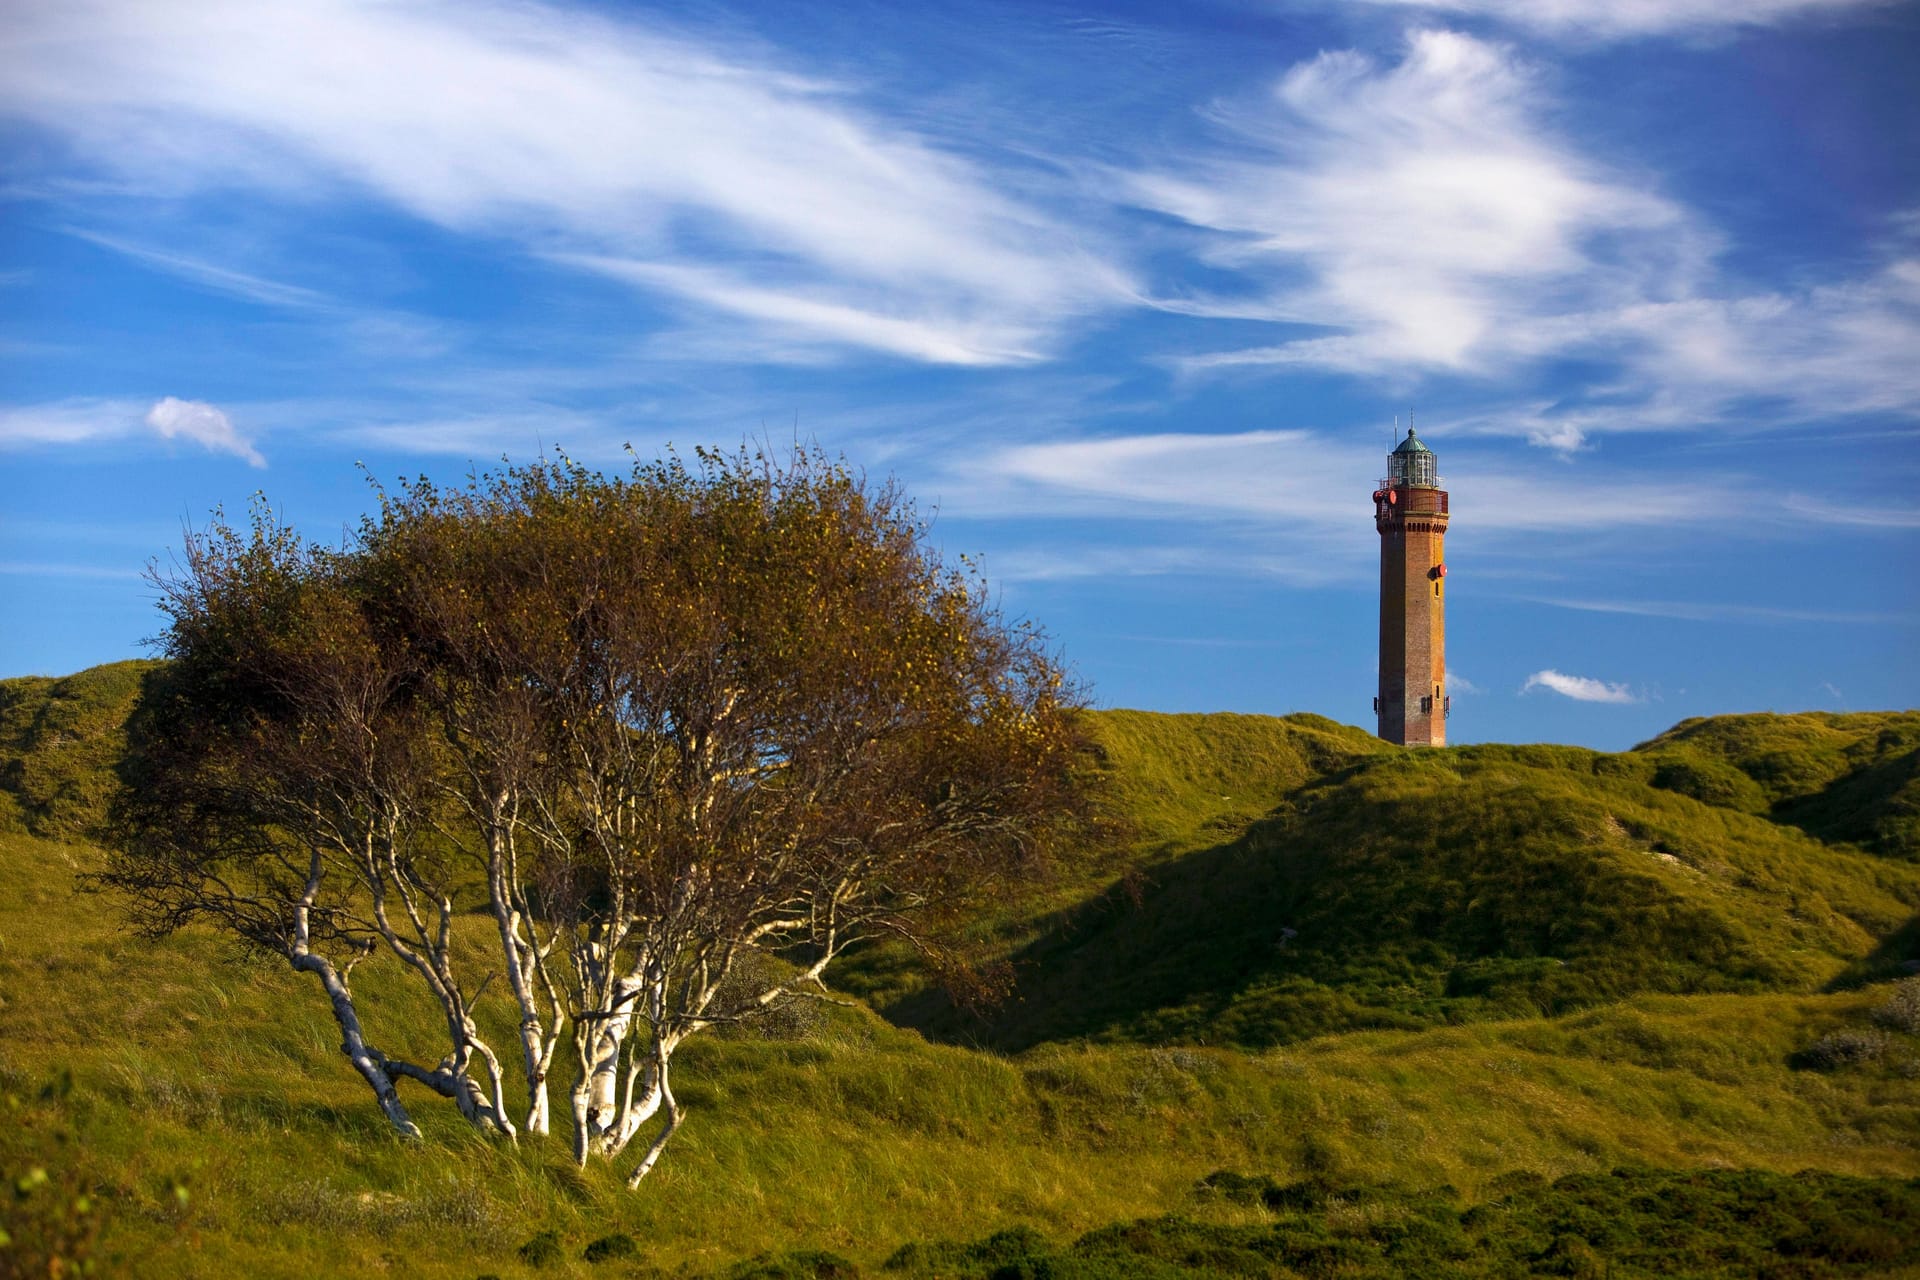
1412 463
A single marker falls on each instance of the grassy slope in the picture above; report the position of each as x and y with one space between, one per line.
187 1068
1852 778
1173 785
131 1067
1411 889
59 739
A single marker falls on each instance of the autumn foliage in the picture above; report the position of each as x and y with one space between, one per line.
684 735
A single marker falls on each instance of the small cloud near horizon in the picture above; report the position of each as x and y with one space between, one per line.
1579 688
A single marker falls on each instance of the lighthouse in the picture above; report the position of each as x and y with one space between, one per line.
1410 512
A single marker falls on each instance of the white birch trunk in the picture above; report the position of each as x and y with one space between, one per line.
664 1089
600 1103
526 975
370 1063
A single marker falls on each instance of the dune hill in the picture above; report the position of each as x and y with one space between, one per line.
1291 878
1390 993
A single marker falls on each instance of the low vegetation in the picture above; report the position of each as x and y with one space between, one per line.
1629 1222
1852 777
60 740
1413 889
1670 1120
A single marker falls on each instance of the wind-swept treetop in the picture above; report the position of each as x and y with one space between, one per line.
657 723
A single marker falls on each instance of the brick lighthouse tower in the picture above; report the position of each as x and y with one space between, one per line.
1410 511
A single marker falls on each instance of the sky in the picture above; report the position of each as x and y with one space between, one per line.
1132 299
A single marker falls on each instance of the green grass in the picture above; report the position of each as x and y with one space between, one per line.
133 1072
1853 778
1631 1222
59 741
130 1069
1176 783
1169 785
1409 889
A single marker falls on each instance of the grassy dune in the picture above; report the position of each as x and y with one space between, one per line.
1849 777
201 1107
1408 889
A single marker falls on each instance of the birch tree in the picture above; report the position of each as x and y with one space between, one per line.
686 734
280 787
778 726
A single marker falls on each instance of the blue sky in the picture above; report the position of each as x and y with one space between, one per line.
1129 297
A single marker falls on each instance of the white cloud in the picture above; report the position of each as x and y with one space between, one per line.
46 569
202 423
1710 611
1297 478
66 422
988 338
519 433
1425 221
1811 354
1579 688
1626 19
1869 513
1053 564
1427 211
388 332
86 421
238 284
567 134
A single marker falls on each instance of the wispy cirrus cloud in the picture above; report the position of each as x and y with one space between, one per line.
1871 512
51 569
72 421
709 175
1809 354
520 431
1418 211
1629 19
1579 688
1721 611
85 421
1421 218
1031 564
391 332
809 313
1300 478
210 275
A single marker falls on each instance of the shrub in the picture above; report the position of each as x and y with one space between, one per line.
1641 1222
803 1264
1839 1049
1009 1252
541 1251
1902 1012
606 1248
1237 1187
